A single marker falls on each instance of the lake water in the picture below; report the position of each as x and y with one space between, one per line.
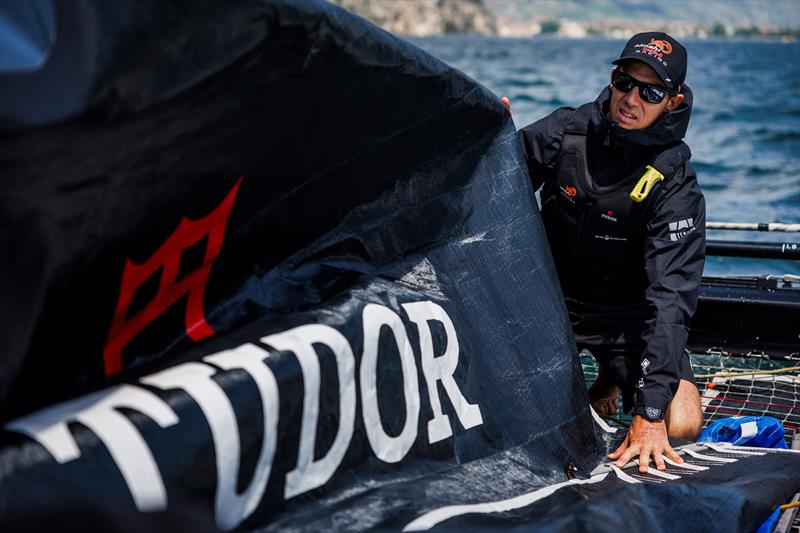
745 126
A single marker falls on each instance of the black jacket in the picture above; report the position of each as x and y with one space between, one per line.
630 283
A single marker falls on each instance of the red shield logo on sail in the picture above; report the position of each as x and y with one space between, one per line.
167 259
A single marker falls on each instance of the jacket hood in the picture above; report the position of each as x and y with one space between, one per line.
668 129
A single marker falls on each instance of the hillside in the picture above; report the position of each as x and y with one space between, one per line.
737 13
581 18
421 18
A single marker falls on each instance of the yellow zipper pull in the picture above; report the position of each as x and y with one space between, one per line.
645 184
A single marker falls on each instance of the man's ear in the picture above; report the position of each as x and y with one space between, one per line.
611 76
674 102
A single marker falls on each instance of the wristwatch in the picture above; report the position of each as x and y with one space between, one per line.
653 414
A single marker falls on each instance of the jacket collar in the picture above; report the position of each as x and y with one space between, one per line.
670 128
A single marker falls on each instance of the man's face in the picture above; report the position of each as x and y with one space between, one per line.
632 112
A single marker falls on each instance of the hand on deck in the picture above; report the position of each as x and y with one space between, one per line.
645 439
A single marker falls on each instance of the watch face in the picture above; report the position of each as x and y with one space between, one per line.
652 413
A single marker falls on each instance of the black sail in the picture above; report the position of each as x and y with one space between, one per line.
266 266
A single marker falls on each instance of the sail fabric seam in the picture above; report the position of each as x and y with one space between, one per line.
432 518
602 423
623 476
710 457
730 450
687 466
658 473
765 450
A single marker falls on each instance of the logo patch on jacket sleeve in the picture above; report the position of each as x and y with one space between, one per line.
681 228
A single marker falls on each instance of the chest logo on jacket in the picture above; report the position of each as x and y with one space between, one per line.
609 215
569 193
608 237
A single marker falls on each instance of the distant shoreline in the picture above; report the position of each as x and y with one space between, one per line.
596 37
432 18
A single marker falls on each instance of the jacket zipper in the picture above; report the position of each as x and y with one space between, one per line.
582 227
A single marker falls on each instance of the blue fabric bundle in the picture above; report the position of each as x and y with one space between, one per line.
758 431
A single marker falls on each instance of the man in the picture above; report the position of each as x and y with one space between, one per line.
625 218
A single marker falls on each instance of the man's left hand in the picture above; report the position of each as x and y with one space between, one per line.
646 439
506 102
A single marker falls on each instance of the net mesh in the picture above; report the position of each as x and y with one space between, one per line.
754 385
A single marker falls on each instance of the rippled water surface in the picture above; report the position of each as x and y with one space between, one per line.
744 132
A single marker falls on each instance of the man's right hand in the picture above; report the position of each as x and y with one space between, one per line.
507 103
646 439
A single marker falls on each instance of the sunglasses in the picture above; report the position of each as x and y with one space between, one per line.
650 93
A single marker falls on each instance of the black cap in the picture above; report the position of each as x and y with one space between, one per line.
661 52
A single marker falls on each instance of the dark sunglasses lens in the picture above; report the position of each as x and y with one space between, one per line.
623 83
653 94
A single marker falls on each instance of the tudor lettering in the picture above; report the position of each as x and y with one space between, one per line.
231 508
204 382
99 412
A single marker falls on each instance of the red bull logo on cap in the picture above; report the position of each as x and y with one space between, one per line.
662 45
656 48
